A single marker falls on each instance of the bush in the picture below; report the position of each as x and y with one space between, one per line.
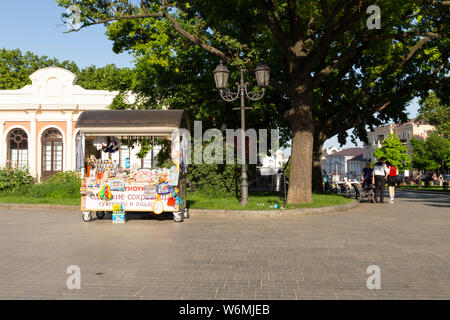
15 179
215 179
63 185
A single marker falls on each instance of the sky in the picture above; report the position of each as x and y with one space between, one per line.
36 26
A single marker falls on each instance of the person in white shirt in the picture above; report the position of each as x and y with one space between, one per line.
379 175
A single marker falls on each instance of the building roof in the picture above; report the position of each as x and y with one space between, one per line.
359 158
349 152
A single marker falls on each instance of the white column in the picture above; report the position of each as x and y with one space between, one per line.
2 145
32 151
68 148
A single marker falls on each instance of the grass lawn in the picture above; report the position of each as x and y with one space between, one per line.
433 188
17 198
258 201
195 200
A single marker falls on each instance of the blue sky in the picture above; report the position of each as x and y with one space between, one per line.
36 26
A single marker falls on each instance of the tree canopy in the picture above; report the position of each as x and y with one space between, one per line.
330 72
16 68
436 113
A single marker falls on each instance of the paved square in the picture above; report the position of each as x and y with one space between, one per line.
311 257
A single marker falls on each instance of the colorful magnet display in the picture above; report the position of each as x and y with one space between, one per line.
117 185
150 192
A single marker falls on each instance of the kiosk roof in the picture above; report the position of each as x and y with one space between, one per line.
126 123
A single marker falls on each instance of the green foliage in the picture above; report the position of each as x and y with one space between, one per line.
434 112
395 152
108 77
63 185
14 179
432 153
215 179
16 68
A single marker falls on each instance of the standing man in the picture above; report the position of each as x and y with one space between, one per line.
380 173
366 176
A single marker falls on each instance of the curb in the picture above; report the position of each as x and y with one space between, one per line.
26 206
274 213
207 212
425 191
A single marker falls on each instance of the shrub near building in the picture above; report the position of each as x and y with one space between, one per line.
15 180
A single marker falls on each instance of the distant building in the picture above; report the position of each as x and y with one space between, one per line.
404 131
271 164
343 163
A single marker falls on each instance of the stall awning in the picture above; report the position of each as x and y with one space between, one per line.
123 123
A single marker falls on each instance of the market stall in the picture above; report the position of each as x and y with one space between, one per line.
118 186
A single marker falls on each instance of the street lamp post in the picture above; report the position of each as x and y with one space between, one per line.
221 75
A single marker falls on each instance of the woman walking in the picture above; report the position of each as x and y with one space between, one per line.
392 180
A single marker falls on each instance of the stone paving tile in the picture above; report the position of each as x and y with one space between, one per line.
312 257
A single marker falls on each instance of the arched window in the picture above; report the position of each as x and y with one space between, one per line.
52 152
18 148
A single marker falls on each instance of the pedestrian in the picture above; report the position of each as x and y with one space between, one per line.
366 176
441 180
326 181
392 180
435 179
379 175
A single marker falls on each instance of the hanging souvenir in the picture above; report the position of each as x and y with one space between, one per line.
163 188
171 202
173 176
158 206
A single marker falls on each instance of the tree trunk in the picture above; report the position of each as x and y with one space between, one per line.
317 179
300 176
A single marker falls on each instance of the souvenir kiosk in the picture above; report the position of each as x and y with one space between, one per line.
109 184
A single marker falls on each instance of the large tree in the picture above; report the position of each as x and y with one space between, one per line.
333 71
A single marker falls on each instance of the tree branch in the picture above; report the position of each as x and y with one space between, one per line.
128 16
193 38
294 21
267 10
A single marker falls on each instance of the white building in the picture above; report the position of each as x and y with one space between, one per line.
404 131
37 123
343 163
271 164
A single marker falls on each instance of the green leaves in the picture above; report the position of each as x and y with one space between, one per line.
436 113
16 68
432 153
395 152
14 179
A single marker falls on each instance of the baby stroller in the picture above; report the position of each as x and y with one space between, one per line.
345 190
364 193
